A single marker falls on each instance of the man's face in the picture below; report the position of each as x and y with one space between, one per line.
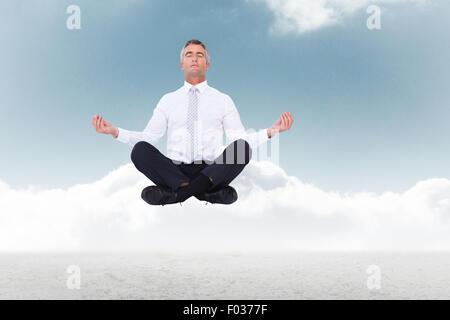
194 61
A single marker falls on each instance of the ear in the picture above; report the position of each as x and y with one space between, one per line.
208 65
181 65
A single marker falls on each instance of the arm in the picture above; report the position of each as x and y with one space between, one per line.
234 129
154 130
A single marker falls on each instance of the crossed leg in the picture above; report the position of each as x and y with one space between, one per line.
162 171
227 166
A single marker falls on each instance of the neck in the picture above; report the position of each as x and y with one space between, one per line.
195 81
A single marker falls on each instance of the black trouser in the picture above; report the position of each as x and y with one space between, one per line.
163 171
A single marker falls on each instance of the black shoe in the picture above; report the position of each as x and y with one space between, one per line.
226 195
157 195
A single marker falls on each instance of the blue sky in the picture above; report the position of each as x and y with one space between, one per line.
371 108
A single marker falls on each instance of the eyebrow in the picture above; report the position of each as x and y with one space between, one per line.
198 52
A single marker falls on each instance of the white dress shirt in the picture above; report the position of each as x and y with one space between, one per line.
216 114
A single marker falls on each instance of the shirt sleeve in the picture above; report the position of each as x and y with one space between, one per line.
154 130
234 129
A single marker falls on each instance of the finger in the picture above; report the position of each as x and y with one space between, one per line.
289 120
283 121
97 122
288 117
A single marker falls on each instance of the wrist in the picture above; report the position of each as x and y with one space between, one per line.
271 132
115 134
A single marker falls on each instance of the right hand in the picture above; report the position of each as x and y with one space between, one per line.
103 126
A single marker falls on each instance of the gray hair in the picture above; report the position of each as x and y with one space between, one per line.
194 41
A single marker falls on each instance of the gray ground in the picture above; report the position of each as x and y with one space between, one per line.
225 276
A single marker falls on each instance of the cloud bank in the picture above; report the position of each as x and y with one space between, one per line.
274 212
301 16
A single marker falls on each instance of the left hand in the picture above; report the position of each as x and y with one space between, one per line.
282 124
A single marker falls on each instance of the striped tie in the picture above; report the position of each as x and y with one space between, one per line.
192 117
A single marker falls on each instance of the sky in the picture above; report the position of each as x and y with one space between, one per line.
371 111
370 106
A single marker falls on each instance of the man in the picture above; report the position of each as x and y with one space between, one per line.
195 117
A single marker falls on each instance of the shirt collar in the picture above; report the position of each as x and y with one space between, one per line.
201 86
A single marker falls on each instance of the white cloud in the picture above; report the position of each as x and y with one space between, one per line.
274 212
300 16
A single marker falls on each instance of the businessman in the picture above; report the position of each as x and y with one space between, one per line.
195 117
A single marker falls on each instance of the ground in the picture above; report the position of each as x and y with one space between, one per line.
288 275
